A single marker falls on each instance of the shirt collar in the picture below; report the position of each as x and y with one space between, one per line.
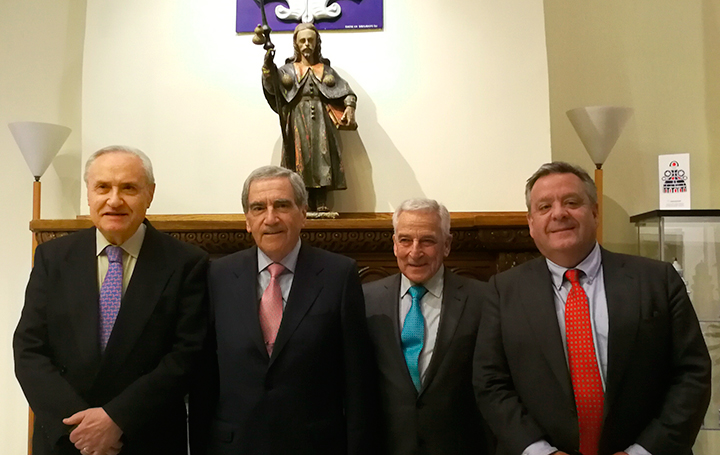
289 261
590 266
131 246
434 285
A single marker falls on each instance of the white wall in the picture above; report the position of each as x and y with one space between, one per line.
448 92
41 58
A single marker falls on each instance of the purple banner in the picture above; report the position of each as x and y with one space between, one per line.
326 14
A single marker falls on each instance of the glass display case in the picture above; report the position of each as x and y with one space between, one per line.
690 239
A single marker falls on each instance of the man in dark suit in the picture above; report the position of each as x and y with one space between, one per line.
113 318
426 377
289 365
584 350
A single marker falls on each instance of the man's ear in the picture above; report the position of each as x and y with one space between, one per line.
151 192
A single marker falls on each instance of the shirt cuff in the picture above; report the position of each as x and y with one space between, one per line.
541 447
637 449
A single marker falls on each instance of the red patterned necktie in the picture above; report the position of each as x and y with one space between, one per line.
271 307
586 381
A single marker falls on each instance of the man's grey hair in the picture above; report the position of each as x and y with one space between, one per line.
271 172
424 205
561 167
146 164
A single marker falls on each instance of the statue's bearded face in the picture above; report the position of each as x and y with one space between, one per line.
306 42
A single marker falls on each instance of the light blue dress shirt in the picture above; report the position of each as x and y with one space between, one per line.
286 278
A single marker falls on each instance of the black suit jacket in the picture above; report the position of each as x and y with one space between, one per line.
658 373
141 379
442 418
316 394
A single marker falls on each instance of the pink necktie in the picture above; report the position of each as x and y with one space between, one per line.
271 307
586 382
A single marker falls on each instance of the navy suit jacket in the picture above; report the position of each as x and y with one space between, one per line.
316 394
658 373
141 379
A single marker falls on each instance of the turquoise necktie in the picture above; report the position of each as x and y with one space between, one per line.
413 334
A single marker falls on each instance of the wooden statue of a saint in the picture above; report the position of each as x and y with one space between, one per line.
314 101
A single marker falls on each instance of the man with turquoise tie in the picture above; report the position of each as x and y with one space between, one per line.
423 323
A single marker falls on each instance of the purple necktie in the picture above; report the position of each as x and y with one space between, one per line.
110 293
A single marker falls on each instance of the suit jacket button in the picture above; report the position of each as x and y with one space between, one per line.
419 404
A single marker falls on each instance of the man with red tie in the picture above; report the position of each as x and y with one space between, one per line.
288 366
584 351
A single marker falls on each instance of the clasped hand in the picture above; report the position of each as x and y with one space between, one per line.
95 433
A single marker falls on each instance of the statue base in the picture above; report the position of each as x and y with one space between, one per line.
322 215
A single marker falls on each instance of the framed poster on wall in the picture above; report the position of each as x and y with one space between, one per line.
284 15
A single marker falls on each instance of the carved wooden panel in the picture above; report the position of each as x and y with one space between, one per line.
483 243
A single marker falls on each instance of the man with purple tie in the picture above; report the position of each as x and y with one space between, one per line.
114 318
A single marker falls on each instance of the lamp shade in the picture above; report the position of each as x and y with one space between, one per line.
599 128
39 143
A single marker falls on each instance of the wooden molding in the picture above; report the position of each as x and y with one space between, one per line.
484 243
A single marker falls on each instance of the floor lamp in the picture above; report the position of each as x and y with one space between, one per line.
599 128
39 143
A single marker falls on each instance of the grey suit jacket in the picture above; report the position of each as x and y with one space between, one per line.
442 418
141 378
658 374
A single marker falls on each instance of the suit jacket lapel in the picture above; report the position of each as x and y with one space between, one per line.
392 294
149 278
623 297
453 304
246 303
81 274
538 301
305 288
